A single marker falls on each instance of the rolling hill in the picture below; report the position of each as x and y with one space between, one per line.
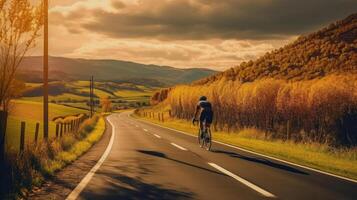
331 50
109 70
305 91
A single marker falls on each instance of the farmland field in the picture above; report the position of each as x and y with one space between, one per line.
69 98
76 93
31 113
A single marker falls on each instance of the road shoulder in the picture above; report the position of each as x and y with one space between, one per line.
62 184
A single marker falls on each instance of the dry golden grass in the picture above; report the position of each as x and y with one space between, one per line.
313 110
44 159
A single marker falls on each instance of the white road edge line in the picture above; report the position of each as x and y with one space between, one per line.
84 182
178 146
259 154
243 181
158 136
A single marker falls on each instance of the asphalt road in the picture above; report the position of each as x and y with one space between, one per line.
149 162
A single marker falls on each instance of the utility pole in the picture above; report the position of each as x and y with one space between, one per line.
91 96
45 71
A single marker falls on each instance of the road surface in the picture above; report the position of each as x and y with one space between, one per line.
145 161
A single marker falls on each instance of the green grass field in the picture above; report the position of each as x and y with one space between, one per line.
29 109
319 156
62 97
31 113
77 92
133 93
97 92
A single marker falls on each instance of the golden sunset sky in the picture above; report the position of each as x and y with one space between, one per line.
215 34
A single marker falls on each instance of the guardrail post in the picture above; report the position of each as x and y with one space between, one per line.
22 137
37 130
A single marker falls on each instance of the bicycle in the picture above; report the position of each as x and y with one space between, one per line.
204 136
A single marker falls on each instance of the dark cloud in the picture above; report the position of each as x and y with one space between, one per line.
118 4
208 19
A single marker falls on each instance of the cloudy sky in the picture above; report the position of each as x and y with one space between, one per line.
217 34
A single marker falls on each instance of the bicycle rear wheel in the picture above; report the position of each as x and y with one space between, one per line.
208 140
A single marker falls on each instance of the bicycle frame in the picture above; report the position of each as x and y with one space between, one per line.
204 136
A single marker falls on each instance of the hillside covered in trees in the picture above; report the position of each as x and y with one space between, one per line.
331 50
305 91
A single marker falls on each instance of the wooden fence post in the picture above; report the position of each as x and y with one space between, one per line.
22 137
37 130
75 125
61 131
65 128
57 130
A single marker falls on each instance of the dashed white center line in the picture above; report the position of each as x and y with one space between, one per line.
145 130
136 126
178 146
158 136
243 181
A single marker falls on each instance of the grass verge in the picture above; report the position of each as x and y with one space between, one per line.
37 162
318 156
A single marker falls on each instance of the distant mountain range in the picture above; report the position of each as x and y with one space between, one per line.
109 70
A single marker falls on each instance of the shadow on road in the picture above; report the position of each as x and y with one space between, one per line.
262 161
131 180
162 155
120 186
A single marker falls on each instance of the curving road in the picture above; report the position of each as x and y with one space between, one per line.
144 161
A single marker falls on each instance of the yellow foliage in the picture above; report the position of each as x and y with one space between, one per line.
305 110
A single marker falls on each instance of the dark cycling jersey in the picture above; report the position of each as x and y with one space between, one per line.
206 111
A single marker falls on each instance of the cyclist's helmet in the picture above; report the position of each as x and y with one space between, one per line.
203 98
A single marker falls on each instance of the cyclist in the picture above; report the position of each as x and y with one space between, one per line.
204 107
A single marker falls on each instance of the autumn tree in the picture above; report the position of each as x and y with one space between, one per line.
106 104
20 24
